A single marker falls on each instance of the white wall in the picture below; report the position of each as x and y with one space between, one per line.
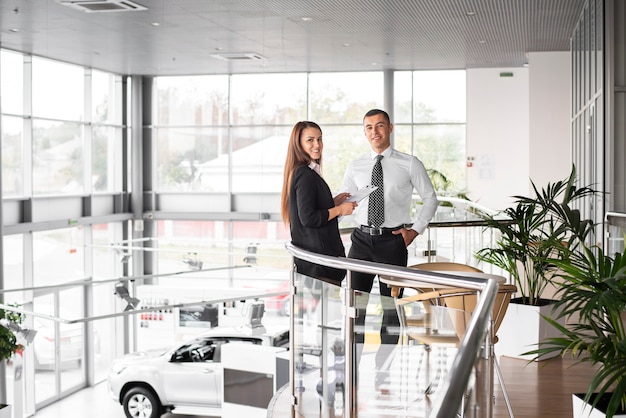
518 128
497 135
550 143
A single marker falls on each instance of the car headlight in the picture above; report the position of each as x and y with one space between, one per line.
118 368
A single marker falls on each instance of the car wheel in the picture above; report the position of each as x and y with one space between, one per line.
141 403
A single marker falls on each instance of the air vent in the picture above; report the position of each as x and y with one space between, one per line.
97 6
239 56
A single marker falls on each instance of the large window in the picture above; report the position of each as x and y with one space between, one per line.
430 122
58 90
204 148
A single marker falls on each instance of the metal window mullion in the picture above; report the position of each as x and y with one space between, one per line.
27 130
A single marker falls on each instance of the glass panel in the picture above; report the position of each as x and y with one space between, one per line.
442 148
403 99
193 100
106 264
272 99
44 349
319 348
258 158
13 279
344 97
12 82
12 156
192 159
57 157
439 96
13 264
71 339
53 80
183 241
106 157
58 256
104 104
599 44
342 144
261 245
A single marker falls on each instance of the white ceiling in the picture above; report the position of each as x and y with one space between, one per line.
341 35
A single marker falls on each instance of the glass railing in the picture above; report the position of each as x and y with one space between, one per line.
441 363
455 234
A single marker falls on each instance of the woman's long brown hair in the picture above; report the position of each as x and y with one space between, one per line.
296 156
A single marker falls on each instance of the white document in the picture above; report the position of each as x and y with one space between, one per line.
362 193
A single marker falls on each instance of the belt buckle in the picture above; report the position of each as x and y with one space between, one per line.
375 231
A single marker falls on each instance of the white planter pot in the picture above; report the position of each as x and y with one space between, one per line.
582 409
522 329
5 411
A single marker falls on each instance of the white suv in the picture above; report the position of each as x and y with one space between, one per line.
188 378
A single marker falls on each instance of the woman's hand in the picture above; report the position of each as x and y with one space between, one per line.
340 198
346 208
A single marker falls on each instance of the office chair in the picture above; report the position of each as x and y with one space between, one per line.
456 302
460 301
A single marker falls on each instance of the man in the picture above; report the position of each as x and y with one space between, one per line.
385 226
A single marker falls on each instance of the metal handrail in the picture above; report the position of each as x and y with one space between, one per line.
448 403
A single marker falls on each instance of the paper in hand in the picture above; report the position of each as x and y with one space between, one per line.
362 193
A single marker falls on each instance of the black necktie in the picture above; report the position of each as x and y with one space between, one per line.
376 206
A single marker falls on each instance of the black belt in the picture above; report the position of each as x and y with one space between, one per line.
378 231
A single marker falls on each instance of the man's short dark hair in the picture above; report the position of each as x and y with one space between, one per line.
374 112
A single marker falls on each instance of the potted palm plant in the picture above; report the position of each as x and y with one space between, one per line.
8 340
592 300
529 233
8 344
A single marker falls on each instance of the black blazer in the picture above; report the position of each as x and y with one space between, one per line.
309 201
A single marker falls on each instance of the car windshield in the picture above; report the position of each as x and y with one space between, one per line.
207 348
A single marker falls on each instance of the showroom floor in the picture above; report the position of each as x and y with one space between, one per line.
92 402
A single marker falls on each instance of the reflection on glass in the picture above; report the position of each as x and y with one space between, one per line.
57 157
12 156
268 99
56 83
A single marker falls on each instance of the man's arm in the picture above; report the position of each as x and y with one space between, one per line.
424 187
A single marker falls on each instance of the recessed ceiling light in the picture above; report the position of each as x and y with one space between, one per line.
14 30
307 18
482 41
345 45
155 24
238 56
470 13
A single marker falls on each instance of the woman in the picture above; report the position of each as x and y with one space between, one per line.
308 206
